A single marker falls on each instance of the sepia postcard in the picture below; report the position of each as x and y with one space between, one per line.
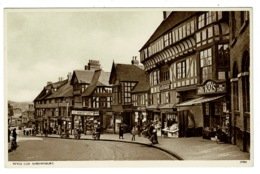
128 87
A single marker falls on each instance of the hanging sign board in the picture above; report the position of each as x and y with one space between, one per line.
210 87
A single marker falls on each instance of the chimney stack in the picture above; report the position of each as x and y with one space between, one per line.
93 65
60 79
134 61
48 83
69 76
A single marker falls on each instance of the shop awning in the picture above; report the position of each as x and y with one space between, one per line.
167 106
198 101
117 108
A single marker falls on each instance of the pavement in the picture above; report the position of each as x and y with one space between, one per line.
192 148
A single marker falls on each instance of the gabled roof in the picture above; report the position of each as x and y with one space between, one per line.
126 72
141 87
44 94
82 76
100 78
66 90
172 20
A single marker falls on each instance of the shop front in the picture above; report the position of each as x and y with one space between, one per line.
169 121
86 121
213 105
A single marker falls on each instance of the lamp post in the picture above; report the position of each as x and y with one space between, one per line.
67 113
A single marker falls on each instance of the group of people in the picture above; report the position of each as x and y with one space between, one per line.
151 130
29 132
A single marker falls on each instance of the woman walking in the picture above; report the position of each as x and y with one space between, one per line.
121 132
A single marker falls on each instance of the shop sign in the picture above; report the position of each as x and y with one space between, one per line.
165 86
74 112
211 87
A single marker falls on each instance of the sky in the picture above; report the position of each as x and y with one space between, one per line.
43 45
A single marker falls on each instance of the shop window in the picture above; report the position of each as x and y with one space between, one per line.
181 70
206 64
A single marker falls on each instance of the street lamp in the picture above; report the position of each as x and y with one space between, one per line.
67 112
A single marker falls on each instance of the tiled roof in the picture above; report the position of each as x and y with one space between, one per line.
142 86
65 90
125 72
84 76
100 78
173 19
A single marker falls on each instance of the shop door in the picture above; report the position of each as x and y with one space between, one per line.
183 123
127 121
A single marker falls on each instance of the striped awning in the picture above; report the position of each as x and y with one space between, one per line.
198 101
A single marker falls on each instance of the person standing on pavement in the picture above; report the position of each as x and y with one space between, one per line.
98 131
14 135
133 132
9 133
121 132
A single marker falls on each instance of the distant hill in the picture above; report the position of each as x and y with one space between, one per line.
22 105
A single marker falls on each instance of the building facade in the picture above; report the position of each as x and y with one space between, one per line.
240 78
124 79
187 59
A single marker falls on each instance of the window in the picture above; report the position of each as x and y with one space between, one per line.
181 70
155 77
158 98
165 74
223 56
127 87
103 102
115 94
165 97
206 64
205 36
201 21
246 82
109 101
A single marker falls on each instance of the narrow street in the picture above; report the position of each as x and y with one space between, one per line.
53 149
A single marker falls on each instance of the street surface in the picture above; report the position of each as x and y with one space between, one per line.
56 149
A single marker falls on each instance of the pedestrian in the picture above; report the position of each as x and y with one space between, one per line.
134 132
30 132
9 134
27 133
24 132
121 132
98 131
14 135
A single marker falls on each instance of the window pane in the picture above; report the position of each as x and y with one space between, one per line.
210 32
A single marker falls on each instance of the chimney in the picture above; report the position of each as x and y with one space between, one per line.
134 61
69 76
60 79
48 83
164 15
93 65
